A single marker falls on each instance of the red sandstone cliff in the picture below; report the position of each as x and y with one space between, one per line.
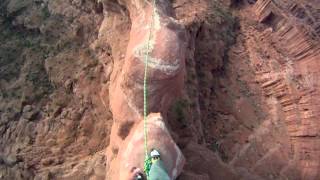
166 60
237 83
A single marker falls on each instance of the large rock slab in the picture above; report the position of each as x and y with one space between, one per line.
132 153
165 49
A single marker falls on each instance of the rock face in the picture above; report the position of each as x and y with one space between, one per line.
132 154
295 35
236 83
259 113
165 67
165 75
53 122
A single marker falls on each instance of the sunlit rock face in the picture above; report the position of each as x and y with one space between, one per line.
164 45
248 110
133 153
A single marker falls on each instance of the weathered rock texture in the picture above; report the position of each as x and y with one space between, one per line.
165 67
166 56
132 154
53 122
294 33
260 111
248 108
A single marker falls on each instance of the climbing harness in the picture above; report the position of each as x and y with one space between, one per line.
147 161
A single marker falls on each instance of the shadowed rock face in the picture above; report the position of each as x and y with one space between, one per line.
166 56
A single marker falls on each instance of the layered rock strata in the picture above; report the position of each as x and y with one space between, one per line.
295 35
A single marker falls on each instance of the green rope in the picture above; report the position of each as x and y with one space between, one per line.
147 161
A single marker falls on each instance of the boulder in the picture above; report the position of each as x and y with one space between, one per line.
132 153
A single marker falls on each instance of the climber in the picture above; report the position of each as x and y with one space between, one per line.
157 170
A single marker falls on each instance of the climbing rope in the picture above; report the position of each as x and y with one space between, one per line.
147 161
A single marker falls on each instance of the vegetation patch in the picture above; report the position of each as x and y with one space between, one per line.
179 111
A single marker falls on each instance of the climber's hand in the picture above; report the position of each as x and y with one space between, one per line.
134 174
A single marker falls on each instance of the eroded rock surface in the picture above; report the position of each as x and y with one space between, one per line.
259 113
53 122
166 56
248 108
294 34
133 153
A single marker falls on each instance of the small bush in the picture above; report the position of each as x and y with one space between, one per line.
179 110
